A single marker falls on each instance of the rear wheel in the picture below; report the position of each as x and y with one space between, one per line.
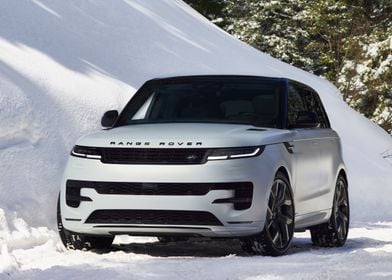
334 232
77 241
275 239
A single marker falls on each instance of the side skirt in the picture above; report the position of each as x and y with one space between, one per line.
311 219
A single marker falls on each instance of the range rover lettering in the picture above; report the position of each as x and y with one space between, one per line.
246 157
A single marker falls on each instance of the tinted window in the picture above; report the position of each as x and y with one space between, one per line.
319 109
295 105
309 102
254 101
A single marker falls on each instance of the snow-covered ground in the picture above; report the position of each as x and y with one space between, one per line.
63 63
367 255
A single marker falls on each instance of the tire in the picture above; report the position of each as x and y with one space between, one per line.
334 232
77 241
278 231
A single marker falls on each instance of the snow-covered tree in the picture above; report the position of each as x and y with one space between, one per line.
366 80
346 41
272 26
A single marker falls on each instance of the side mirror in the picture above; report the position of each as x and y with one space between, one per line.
307 119
109 118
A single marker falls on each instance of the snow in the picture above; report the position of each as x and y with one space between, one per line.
367 255
63 63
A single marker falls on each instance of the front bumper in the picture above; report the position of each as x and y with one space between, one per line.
258 170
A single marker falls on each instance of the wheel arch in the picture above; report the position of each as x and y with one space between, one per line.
286 173
283 170
342 172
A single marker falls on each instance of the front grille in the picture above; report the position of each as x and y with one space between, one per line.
129 188
161 217
153 155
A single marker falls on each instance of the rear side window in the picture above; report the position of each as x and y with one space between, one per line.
319 109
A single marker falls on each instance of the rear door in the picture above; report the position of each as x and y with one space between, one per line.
328 143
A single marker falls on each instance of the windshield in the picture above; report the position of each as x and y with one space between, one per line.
254 101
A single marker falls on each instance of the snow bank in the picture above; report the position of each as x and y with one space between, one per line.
63 63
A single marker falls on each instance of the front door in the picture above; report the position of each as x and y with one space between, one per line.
312 173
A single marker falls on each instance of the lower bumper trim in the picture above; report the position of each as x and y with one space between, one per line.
146 217
151 227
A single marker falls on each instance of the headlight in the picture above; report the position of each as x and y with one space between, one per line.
86 152
233 153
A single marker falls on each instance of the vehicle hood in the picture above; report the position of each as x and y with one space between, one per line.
187 135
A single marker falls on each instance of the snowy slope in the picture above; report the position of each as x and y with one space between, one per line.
63 63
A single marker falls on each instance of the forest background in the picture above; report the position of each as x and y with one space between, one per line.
348 42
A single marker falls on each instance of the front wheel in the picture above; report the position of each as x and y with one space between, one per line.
77 241
275 239
334 232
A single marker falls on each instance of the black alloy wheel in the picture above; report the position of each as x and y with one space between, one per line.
334 233
341 211
276 237
280 214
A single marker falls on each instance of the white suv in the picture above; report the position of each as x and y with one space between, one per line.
242 157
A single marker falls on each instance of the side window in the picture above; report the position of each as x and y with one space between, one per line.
310 102
295 105
308 99
319 110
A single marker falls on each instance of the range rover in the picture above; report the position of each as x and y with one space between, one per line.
246 157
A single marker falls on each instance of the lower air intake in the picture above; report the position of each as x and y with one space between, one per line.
156 217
